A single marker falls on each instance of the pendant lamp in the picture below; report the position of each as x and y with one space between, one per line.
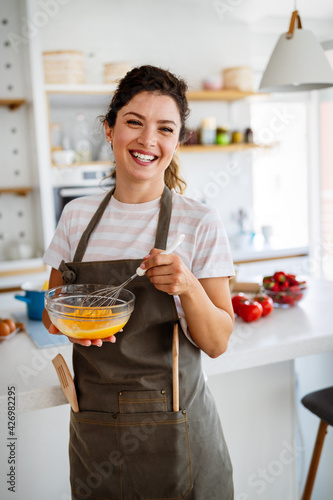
297 63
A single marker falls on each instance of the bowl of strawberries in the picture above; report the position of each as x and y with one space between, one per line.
284 289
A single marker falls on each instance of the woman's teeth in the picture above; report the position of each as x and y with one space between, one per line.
142 157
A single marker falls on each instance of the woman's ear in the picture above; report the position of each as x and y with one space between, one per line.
108 132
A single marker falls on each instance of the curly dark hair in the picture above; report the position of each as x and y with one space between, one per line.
159 81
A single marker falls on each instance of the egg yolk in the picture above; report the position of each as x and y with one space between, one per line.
93 328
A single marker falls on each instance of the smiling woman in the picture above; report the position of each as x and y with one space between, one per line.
152 83
145 134
125 389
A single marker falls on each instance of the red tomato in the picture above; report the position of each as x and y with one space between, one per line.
250 310
266 302
236 300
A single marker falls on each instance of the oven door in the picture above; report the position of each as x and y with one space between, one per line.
63 195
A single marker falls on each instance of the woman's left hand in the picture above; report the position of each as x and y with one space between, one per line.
168 273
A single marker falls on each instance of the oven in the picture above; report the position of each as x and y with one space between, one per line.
75 182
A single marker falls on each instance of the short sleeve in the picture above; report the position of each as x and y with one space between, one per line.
59 248
212 256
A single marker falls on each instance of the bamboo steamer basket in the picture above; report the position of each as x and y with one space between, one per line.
64 67
239 78
115 71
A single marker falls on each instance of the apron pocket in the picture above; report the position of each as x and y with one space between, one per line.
155 448
142 401
130 456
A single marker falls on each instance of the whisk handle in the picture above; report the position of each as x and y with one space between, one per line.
169 250
175 244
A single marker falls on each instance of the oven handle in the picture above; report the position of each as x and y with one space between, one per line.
84 191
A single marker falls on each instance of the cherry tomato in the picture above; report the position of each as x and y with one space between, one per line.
250 310
236 300
266 303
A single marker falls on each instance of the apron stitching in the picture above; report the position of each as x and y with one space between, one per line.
125 401
120 471
165 498
189 455
91 496
128 424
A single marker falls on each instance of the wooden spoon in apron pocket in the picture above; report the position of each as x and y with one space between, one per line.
66 381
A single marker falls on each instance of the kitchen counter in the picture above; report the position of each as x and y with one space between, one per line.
284 335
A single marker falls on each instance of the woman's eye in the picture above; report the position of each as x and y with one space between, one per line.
167 129
133 122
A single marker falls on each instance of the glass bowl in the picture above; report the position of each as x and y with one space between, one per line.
287 297
78 311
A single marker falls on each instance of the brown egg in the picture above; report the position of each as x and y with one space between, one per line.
10 323
4 329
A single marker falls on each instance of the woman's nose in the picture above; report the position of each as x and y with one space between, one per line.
147 138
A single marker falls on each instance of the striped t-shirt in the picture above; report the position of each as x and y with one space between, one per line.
127 231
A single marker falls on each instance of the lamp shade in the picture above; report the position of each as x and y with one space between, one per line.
296 64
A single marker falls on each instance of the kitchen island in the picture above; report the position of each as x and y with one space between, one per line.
253 384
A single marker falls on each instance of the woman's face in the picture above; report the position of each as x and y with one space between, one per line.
145 137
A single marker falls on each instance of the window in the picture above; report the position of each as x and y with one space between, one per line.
280 178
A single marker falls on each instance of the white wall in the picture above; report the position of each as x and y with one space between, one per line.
191 38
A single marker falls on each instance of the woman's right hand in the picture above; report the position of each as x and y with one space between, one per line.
86 342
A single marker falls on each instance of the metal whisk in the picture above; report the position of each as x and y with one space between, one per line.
106 297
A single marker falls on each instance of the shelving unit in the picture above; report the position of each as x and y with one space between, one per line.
216 148
25 195
12 103
20 191
192 95
86 95
221 95
80 89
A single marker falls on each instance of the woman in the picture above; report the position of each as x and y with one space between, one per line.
126 442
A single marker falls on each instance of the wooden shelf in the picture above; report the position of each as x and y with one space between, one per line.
83 164
220 95
192 95
12 103
80 89
20 191
230 148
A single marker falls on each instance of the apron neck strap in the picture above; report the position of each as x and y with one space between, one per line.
162 227
164 219
83 243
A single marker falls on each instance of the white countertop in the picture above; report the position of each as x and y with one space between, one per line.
283 335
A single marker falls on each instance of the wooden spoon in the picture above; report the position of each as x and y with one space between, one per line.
66 381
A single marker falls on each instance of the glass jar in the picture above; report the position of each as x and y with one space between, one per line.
237 137
248 136
222 136
208 131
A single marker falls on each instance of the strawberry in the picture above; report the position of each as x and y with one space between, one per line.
284 284
279 277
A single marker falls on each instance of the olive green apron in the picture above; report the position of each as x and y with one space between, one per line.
126 443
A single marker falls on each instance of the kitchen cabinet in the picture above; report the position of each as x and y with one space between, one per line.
25 201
